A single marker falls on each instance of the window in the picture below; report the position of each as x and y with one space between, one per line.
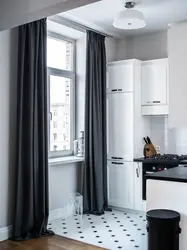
61 80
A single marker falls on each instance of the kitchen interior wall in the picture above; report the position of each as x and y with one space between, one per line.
8 86
143 47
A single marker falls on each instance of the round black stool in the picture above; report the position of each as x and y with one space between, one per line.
163 229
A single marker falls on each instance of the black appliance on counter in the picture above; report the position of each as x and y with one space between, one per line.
160 163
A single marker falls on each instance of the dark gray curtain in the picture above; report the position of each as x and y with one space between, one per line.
31 197
95 169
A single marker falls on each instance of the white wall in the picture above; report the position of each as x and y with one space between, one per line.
111 50
177 44
17 12
8 73
63 181
143 47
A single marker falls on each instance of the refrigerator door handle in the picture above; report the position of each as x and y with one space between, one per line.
118 163
117 158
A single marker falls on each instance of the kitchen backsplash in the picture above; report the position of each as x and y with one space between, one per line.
159 132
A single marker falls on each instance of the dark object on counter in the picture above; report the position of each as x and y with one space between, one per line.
149 149
163 229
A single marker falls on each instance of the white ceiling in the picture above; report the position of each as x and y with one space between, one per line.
158 14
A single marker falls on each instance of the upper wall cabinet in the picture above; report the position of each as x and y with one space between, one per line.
155 87
120 76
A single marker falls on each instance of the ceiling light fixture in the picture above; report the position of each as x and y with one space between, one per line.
129 19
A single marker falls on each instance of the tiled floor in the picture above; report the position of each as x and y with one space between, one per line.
114 230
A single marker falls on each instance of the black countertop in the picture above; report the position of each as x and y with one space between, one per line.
177 174
156 161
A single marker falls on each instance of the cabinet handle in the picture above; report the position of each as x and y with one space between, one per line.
114 90
137 174
156 101
118 163
117 158
138 171
119 89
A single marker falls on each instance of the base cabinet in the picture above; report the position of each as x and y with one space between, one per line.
125 185
120 184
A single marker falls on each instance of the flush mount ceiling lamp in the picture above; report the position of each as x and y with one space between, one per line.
130 18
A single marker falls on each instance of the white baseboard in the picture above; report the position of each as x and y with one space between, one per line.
5 233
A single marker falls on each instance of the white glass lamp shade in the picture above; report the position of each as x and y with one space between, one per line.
129 19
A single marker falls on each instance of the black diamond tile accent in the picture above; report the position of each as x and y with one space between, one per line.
125 213
80 232
115 217
143 234
131 221
82 237
49 228
100 242
128 217
121 225
128 235
65 232
136 246
118 221
120 247
141 216
116 241
49 224
97 236
107 226
135 225
89 218
113 235
77 223
144 220
63 228
113 214
91 222
63 223
139 229
132 240
102 218
95 231
78 227
93 226
110 230
104 222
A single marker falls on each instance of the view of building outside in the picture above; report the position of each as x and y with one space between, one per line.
59 57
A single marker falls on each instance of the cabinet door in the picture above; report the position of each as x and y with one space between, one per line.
154 82
120 126
120 78
138 202
120 184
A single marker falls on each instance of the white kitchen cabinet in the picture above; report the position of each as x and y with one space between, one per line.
138 202
120 77
120 126
155 86
120 184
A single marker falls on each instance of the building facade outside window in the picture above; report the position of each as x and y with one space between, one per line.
61 81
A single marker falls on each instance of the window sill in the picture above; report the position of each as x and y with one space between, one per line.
65 160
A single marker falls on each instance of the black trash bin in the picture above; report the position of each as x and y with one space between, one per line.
163 229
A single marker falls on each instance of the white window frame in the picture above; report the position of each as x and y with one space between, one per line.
69 74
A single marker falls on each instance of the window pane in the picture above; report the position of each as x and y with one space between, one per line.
60 128
59 54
